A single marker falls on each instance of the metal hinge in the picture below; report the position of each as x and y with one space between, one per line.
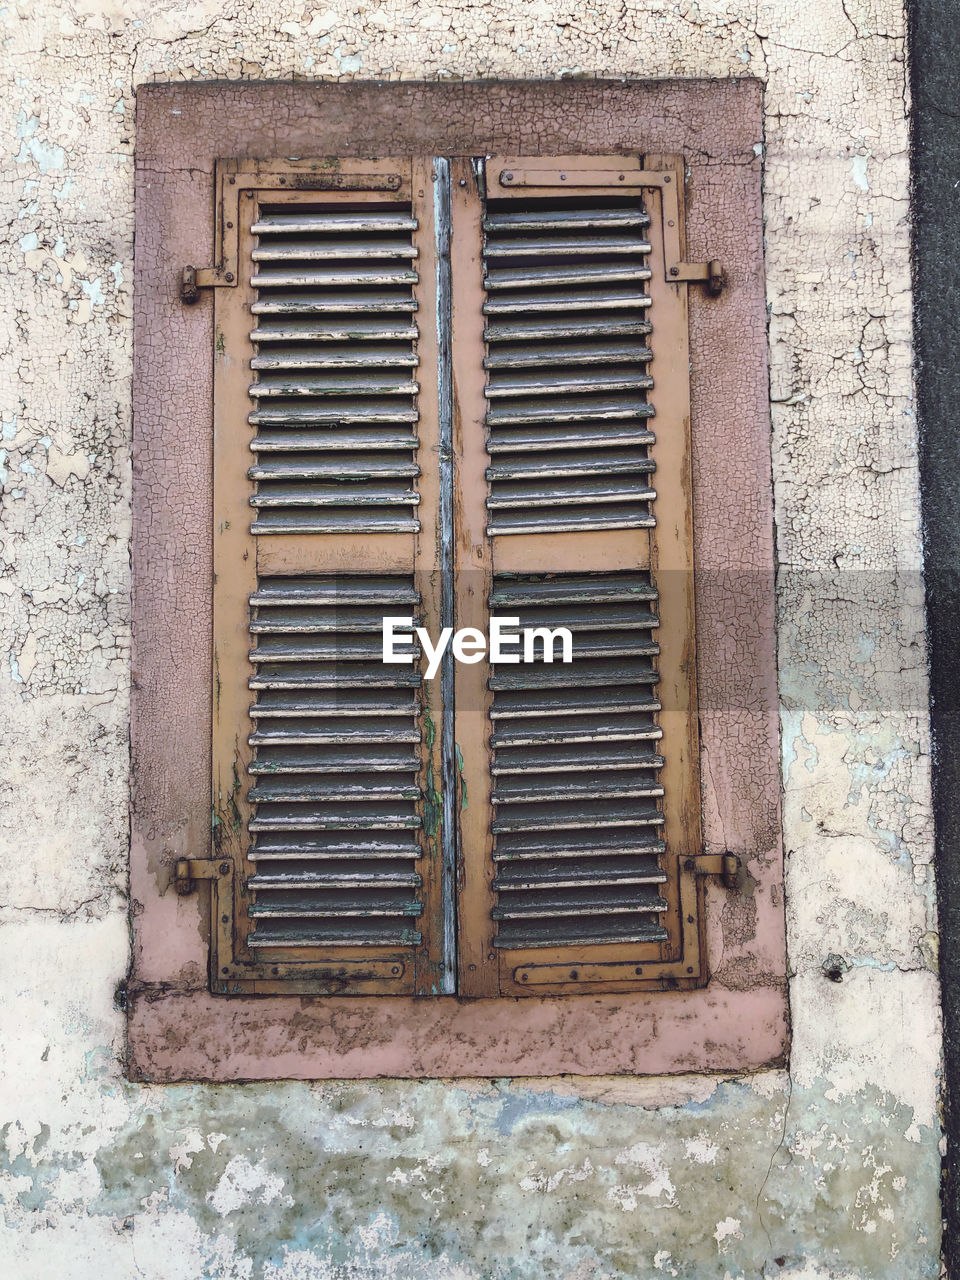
193 279
189 870
724 865
709 273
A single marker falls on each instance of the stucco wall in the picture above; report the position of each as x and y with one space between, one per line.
830 1170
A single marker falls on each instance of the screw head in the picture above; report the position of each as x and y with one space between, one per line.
228 275
666 177
224 868
674 271
507 177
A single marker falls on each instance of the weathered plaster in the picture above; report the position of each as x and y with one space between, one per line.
830 1171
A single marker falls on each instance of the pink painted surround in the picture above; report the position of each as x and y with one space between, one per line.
177 1029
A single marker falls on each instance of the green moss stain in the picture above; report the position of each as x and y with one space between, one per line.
236 821
463 781
431 810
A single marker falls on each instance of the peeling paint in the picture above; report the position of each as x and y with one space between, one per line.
828 1171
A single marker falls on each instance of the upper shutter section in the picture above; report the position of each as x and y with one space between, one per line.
336 363
325 760
567 359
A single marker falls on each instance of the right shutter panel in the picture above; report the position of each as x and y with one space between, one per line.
585 772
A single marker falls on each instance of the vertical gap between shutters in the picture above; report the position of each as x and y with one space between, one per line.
448 808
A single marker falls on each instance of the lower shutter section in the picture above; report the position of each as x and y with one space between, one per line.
336 797
575 767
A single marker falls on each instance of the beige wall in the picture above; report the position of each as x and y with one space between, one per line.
831 1168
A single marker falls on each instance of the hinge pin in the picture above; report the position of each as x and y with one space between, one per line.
189 289
731 869
184 884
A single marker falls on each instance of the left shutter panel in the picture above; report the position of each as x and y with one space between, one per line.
324 800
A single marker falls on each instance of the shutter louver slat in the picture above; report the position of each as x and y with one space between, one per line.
340 762
542 372
576 786
331 396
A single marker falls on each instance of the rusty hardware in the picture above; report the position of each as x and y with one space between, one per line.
709 273
189 870
347 182
724 865
193 279
253 177
540 975
189 290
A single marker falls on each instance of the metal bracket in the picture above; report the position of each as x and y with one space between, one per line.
189 870
234 178
724 865
193 279
709 273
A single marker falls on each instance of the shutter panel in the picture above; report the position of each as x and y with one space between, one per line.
325 803
582 775
447 413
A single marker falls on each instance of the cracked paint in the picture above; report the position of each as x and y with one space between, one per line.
828 1171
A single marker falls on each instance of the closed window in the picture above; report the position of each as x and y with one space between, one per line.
449 392
439 381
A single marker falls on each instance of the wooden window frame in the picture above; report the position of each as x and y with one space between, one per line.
177 1029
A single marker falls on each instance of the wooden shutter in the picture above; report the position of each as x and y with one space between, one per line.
447 390
582 788
326 761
